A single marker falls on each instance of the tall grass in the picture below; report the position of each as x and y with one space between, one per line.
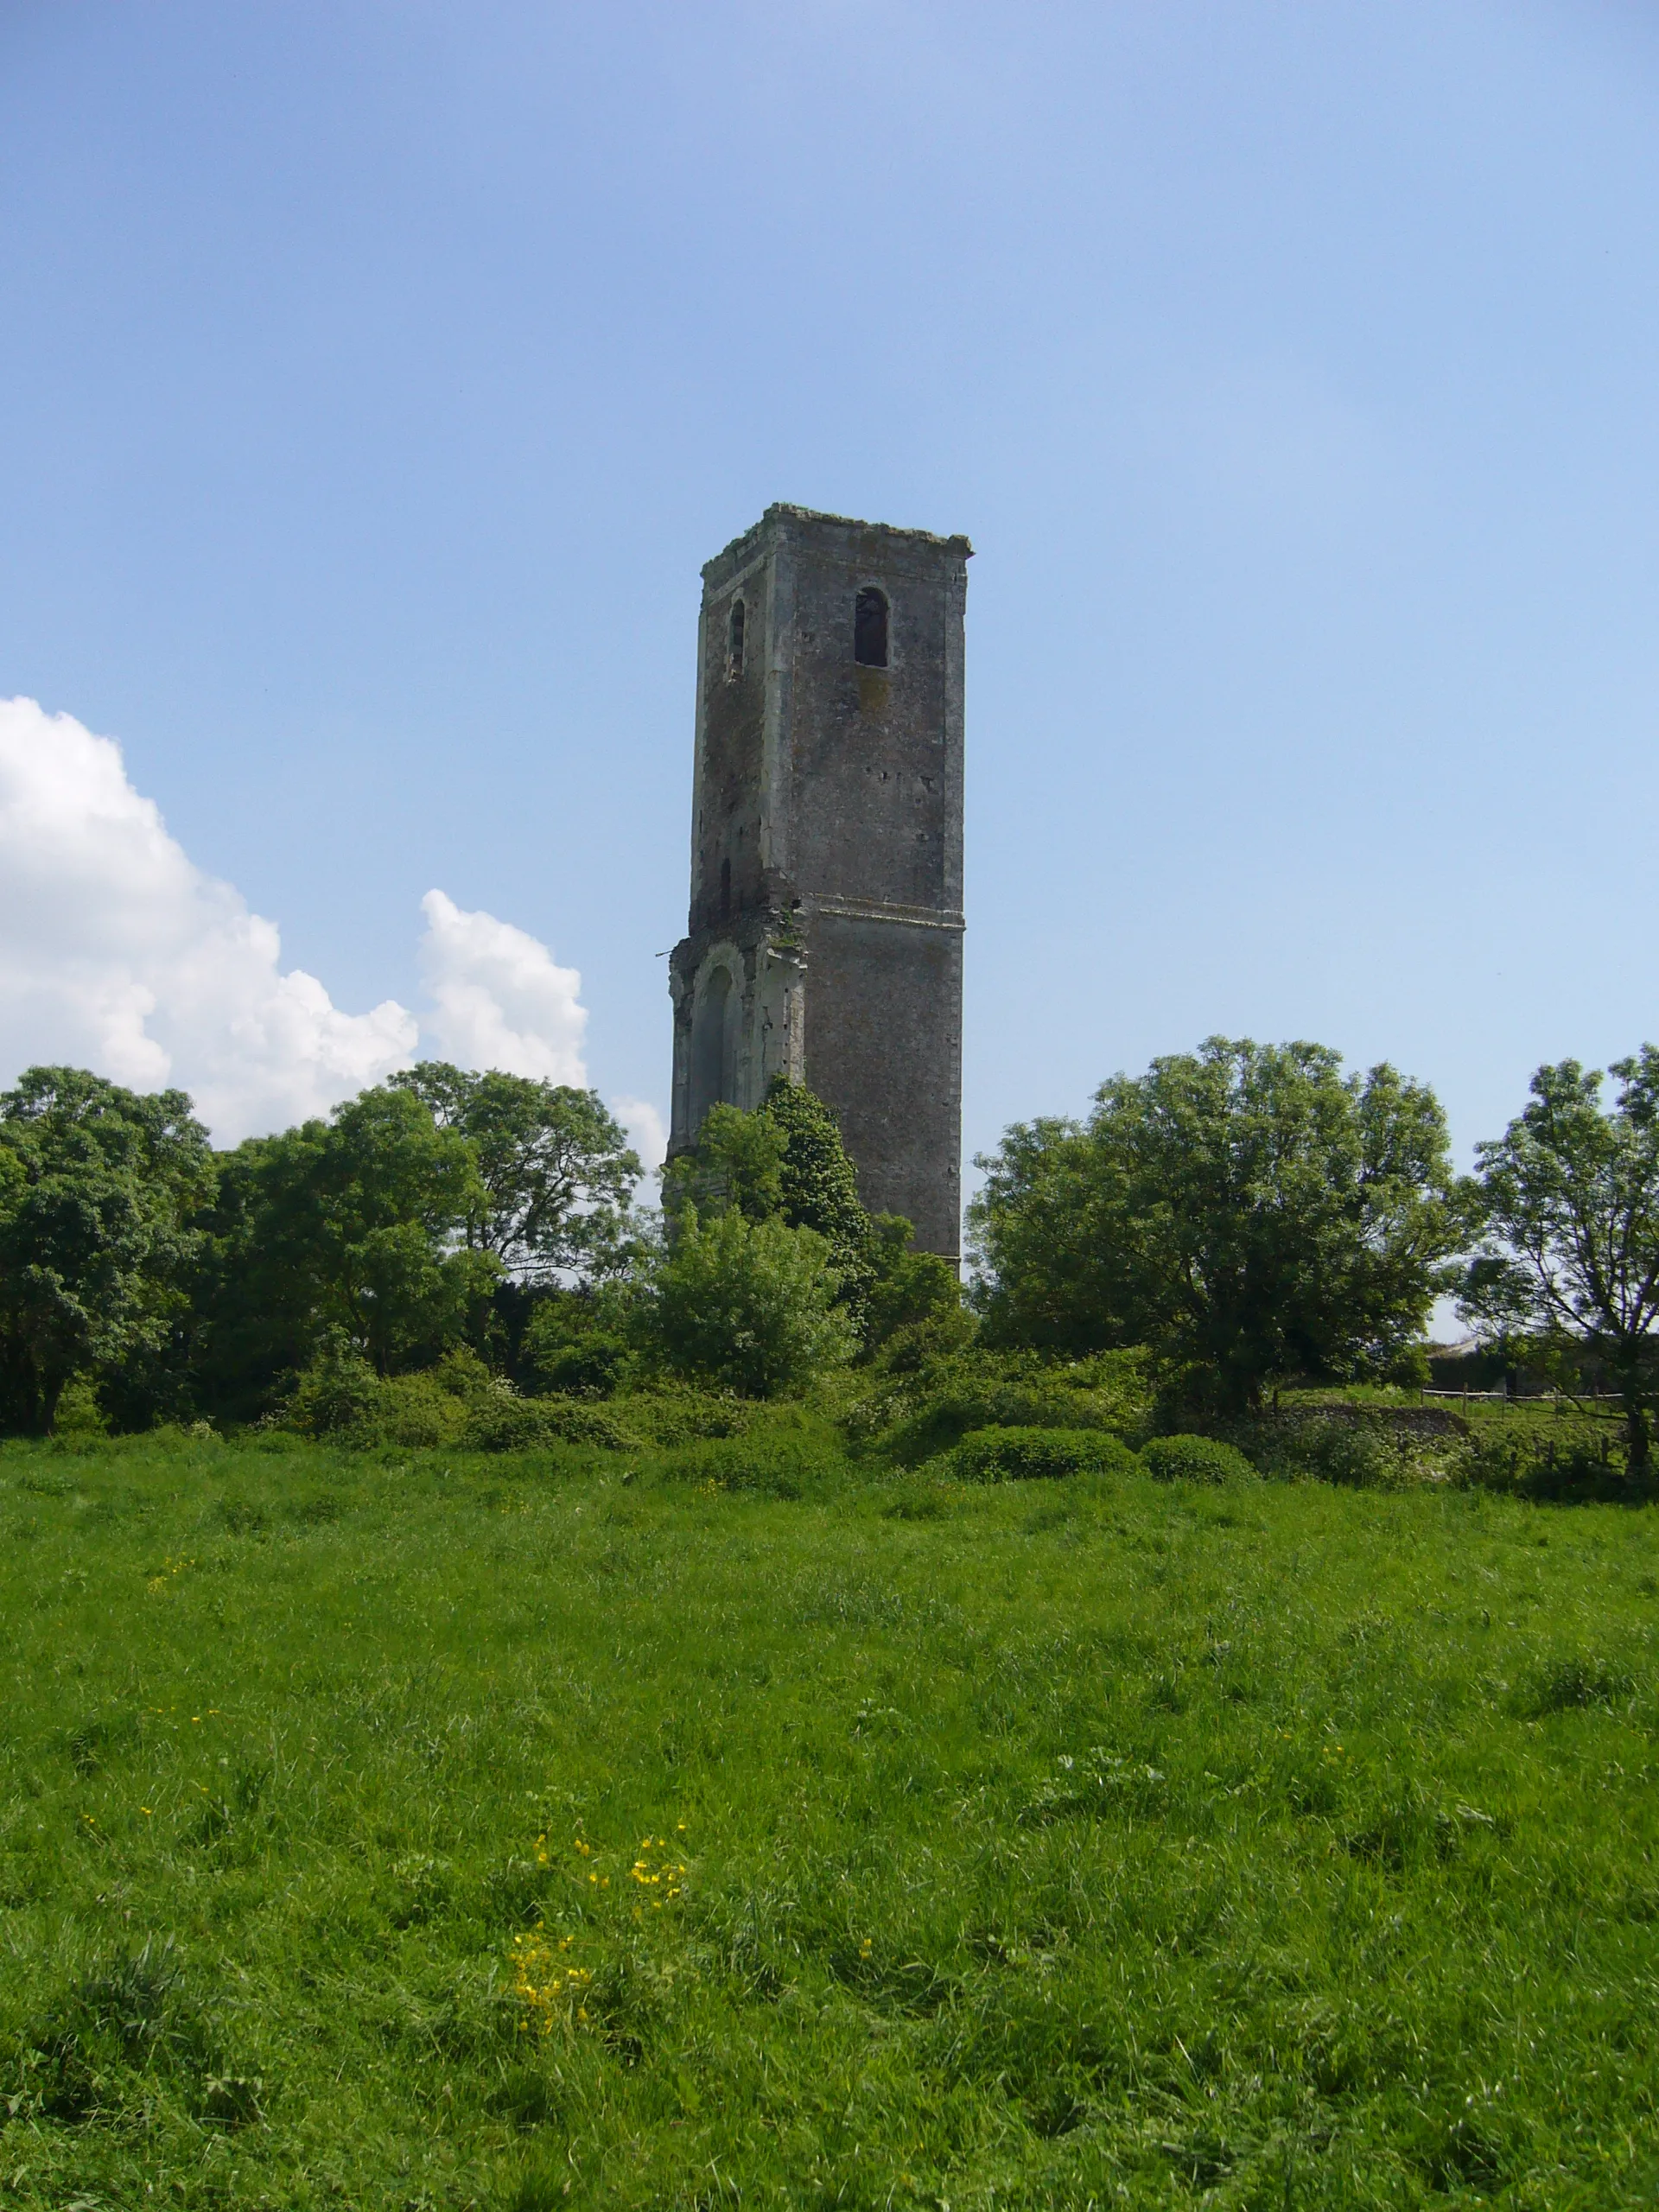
728 1825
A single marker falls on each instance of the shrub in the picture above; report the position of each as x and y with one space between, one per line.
751 1305
805 1457
1003 1455
506 1422
339 1391
574 1343
1575 1464
1354 1454
915 1418
671 1412
1194 1460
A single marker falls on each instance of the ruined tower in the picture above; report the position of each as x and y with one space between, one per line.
824 941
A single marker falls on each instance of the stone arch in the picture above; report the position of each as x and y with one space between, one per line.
717 1024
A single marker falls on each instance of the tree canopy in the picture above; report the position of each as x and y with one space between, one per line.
555 1173
1570 1196
1247 1211
353 1227
100 1189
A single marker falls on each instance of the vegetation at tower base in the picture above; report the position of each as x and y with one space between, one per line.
454 1262
1570 1194
1247 1211
786 1163
749 1305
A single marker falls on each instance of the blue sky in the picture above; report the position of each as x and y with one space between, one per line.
378 377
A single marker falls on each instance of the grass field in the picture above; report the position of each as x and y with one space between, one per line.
421 1832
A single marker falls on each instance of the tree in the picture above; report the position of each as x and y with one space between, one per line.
556 1171
1246 1210
100 1192
1571 1199
736 1165
354 1227
818 1183
786 1162
751 1305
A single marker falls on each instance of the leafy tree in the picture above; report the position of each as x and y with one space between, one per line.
575 1342
818 1183
351 1229
751 1305
786 1162
737 1164
556 1173
1246 1210
99 1190
913 1308
1571 1199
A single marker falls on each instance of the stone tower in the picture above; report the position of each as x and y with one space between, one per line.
824 941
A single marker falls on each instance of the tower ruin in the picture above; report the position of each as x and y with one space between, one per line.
824 941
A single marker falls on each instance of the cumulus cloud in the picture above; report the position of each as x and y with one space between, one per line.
118 953
499 1000
647 1130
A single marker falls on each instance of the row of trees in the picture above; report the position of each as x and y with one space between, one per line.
1256 1215
1250 1213
441 1209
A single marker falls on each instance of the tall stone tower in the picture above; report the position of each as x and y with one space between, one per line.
824 941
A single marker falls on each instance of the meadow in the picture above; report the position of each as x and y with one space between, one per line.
412 1829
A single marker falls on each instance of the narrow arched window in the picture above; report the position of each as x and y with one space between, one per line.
735 642
870 628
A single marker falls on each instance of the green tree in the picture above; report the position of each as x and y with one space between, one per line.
786 1162
912 1307
818 1183
736 1165
748 1304
354 1227
99 1192
1570 1194
556 1173
1246 1210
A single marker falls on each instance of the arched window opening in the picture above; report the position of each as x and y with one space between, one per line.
725 889
870 628
735 642
714 1022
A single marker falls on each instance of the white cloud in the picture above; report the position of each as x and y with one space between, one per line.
647 1130
118 953
499 998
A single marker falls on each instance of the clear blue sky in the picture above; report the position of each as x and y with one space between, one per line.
377 377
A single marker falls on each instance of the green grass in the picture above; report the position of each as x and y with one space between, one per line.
1097 1842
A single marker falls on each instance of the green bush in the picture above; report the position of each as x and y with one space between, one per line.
1568 1463
672 1413
1194 1460
916 1417
506 1422
1007 1455
1364 1454
749 1305
791 1457
338 1393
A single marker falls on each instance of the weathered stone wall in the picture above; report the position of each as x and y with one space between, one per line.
826 861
